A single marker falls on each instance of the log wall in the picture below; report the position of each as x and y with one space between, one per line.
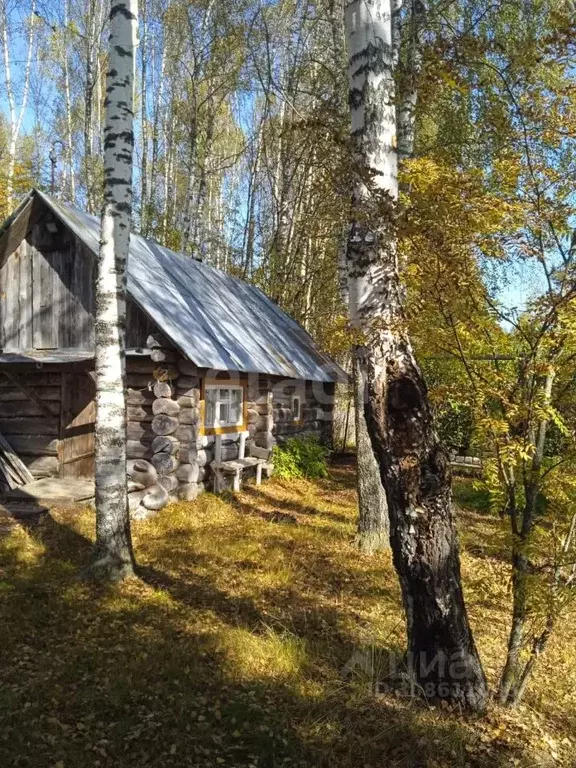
32 433
163 418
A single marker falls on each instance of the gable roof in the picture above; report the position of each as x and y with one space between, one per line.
217 321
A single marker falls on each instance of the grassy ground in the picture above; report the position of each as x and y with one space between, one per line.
229 649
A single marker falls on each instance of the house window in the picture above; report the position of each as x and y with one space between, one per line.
296 408
223 406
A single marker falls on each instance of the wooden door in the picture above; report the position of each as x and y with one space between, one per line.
78 415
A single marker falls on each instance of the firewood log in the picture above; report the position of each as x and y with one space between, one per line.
189 416
187 368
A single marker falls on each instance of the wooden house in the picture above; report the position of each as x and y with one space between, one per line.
215 370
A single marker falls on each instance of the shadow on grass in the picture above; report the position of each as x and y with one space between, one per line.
284 507
173 672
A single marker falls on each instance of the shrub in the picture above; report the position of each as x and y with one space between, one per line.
300 457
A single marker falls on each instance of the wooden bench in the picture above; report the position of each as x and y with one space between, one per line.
258 458
472 465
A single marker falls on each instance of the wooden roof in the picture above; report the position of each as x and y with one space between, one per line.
217 321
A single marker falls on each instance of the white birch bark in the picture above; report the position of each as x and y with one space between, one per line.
113 558
414 469
371 84
88 105
16 116
144 115
409 83
71 194
250 226
157 122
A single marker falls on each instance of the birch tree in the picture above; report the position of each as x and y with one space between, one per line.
15 111
113 558
442 656
373 529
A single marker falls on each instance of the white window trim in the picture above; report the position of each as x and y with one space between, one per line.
299 416
217 423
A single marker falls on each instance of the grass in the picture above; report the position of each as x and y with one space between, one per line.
229 649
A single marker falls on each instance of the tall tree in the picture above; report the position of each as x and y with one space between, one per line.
415 471
113 558
15 112
373 529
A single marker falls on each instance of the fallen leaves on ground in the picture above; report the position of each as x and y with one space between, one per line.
229 648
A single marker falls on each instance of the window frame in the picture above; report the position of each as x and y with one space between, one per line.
219 428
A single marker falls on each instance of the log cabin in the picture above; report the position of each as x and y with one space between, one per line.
216 373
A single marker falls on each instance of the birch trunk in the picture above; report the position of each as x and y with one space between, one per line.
409 80
70 194
156 123
113 559
373 524
88 104
373 528
414 469
144 115
16 118
190 188
199 225
250 226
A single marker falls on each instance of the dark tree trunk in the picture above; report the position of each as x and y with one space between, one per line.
414 469
416 474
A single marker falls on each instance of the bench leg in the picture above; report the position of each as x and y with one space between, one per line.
237 480
216 481
258 474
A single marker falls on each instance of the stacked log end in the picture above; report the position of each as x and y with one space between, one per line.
261 420
192 456
152 415
165 411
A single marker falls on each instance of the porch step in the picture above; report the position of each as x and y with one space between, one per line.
52 491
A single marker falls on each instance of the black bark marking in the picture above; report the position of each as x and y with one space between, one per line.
120 9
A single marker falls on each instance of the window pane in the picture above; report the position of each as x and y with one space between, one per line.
224 395
223 416
210 416
236 406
